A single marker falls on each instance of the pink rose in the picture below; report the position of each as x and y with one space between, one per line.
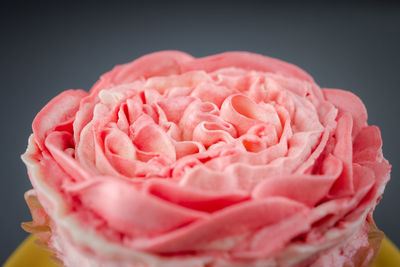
235 159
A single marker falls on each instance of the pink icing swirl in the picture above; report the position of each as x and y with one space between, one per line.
173 156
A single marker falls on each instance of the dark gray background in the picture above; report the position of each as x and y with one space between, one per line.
47 48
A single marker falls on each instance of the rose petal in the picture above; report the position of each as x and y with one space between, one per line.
248 61
148 137
120 152
344 151
209 92
174 107
241 218
367 145
307 189
58 144
208 133
59 110
156 64
244 113
193 198
144 216
346 101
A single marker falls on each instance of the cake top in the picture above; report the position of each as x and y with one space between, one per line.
163 153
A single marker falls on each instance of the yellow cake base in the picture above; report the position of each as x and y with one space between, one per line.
29 254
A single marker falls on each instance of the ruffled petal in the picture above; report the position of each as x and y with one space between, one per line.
59 111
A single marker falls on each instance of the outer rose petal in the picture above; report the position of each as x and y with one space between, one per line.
60 110
58 145
367 145
248 61
156 64
144 216
241 219
348 102
193 198
344 151
297 186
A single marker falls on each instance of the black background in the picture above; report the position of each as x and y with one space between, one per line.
49 47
